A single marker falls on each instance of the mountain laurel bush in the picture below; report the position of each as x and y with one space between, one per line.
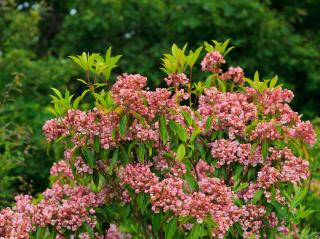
220 157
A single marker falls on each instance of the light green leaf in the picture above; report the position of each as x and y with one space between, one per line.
163 129
171 229
123 125
265 150
257 195
181 152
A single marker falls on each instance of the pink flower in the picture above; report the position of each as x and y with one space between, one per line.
235 74
114 233
265 130
61 168
177 79
251 220
16 222
227 152
211 61
232 111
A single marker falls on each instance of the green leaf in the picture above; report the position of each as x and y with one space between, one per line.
88 155
305 152
300 193
141 152
251 126
156 219
95 177
187 117
40 232
89 230
173 126
195 232
201 150
209 122
194 134
125 156
257 196
163 129
168 155
192 182
182 133
222 85
210 224
280 210
238 172
273 81
58 93
123 125
142 202
253 148
256 77
181 152
241 187
113 161
82 81
113 133
124 211
265 150
228 50
171 229
140 118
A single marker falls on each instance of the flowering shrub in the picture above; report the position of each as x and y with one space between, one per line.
222 158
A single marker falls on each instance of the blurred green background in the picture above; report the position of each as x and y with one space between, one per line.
275 37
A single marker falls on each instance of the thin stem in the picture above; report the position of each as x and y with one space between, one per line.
194 165
88 76
190 85
232 87
229 175
107 84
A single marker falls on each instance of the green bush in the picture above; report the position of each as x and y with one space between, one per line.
37 36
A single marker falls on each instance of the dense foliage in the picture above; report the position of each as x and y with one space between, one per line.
223 156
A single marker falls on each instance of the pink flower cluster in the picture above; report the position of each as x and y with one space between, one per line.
15 222
61 168
251 220
172 193
211 61
232 111
166 167
303 131
139 177
114 233
265 130
274 102
293 170
67 207
177 79
235 74
83 126
63 206
80 166
129 93
228 151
